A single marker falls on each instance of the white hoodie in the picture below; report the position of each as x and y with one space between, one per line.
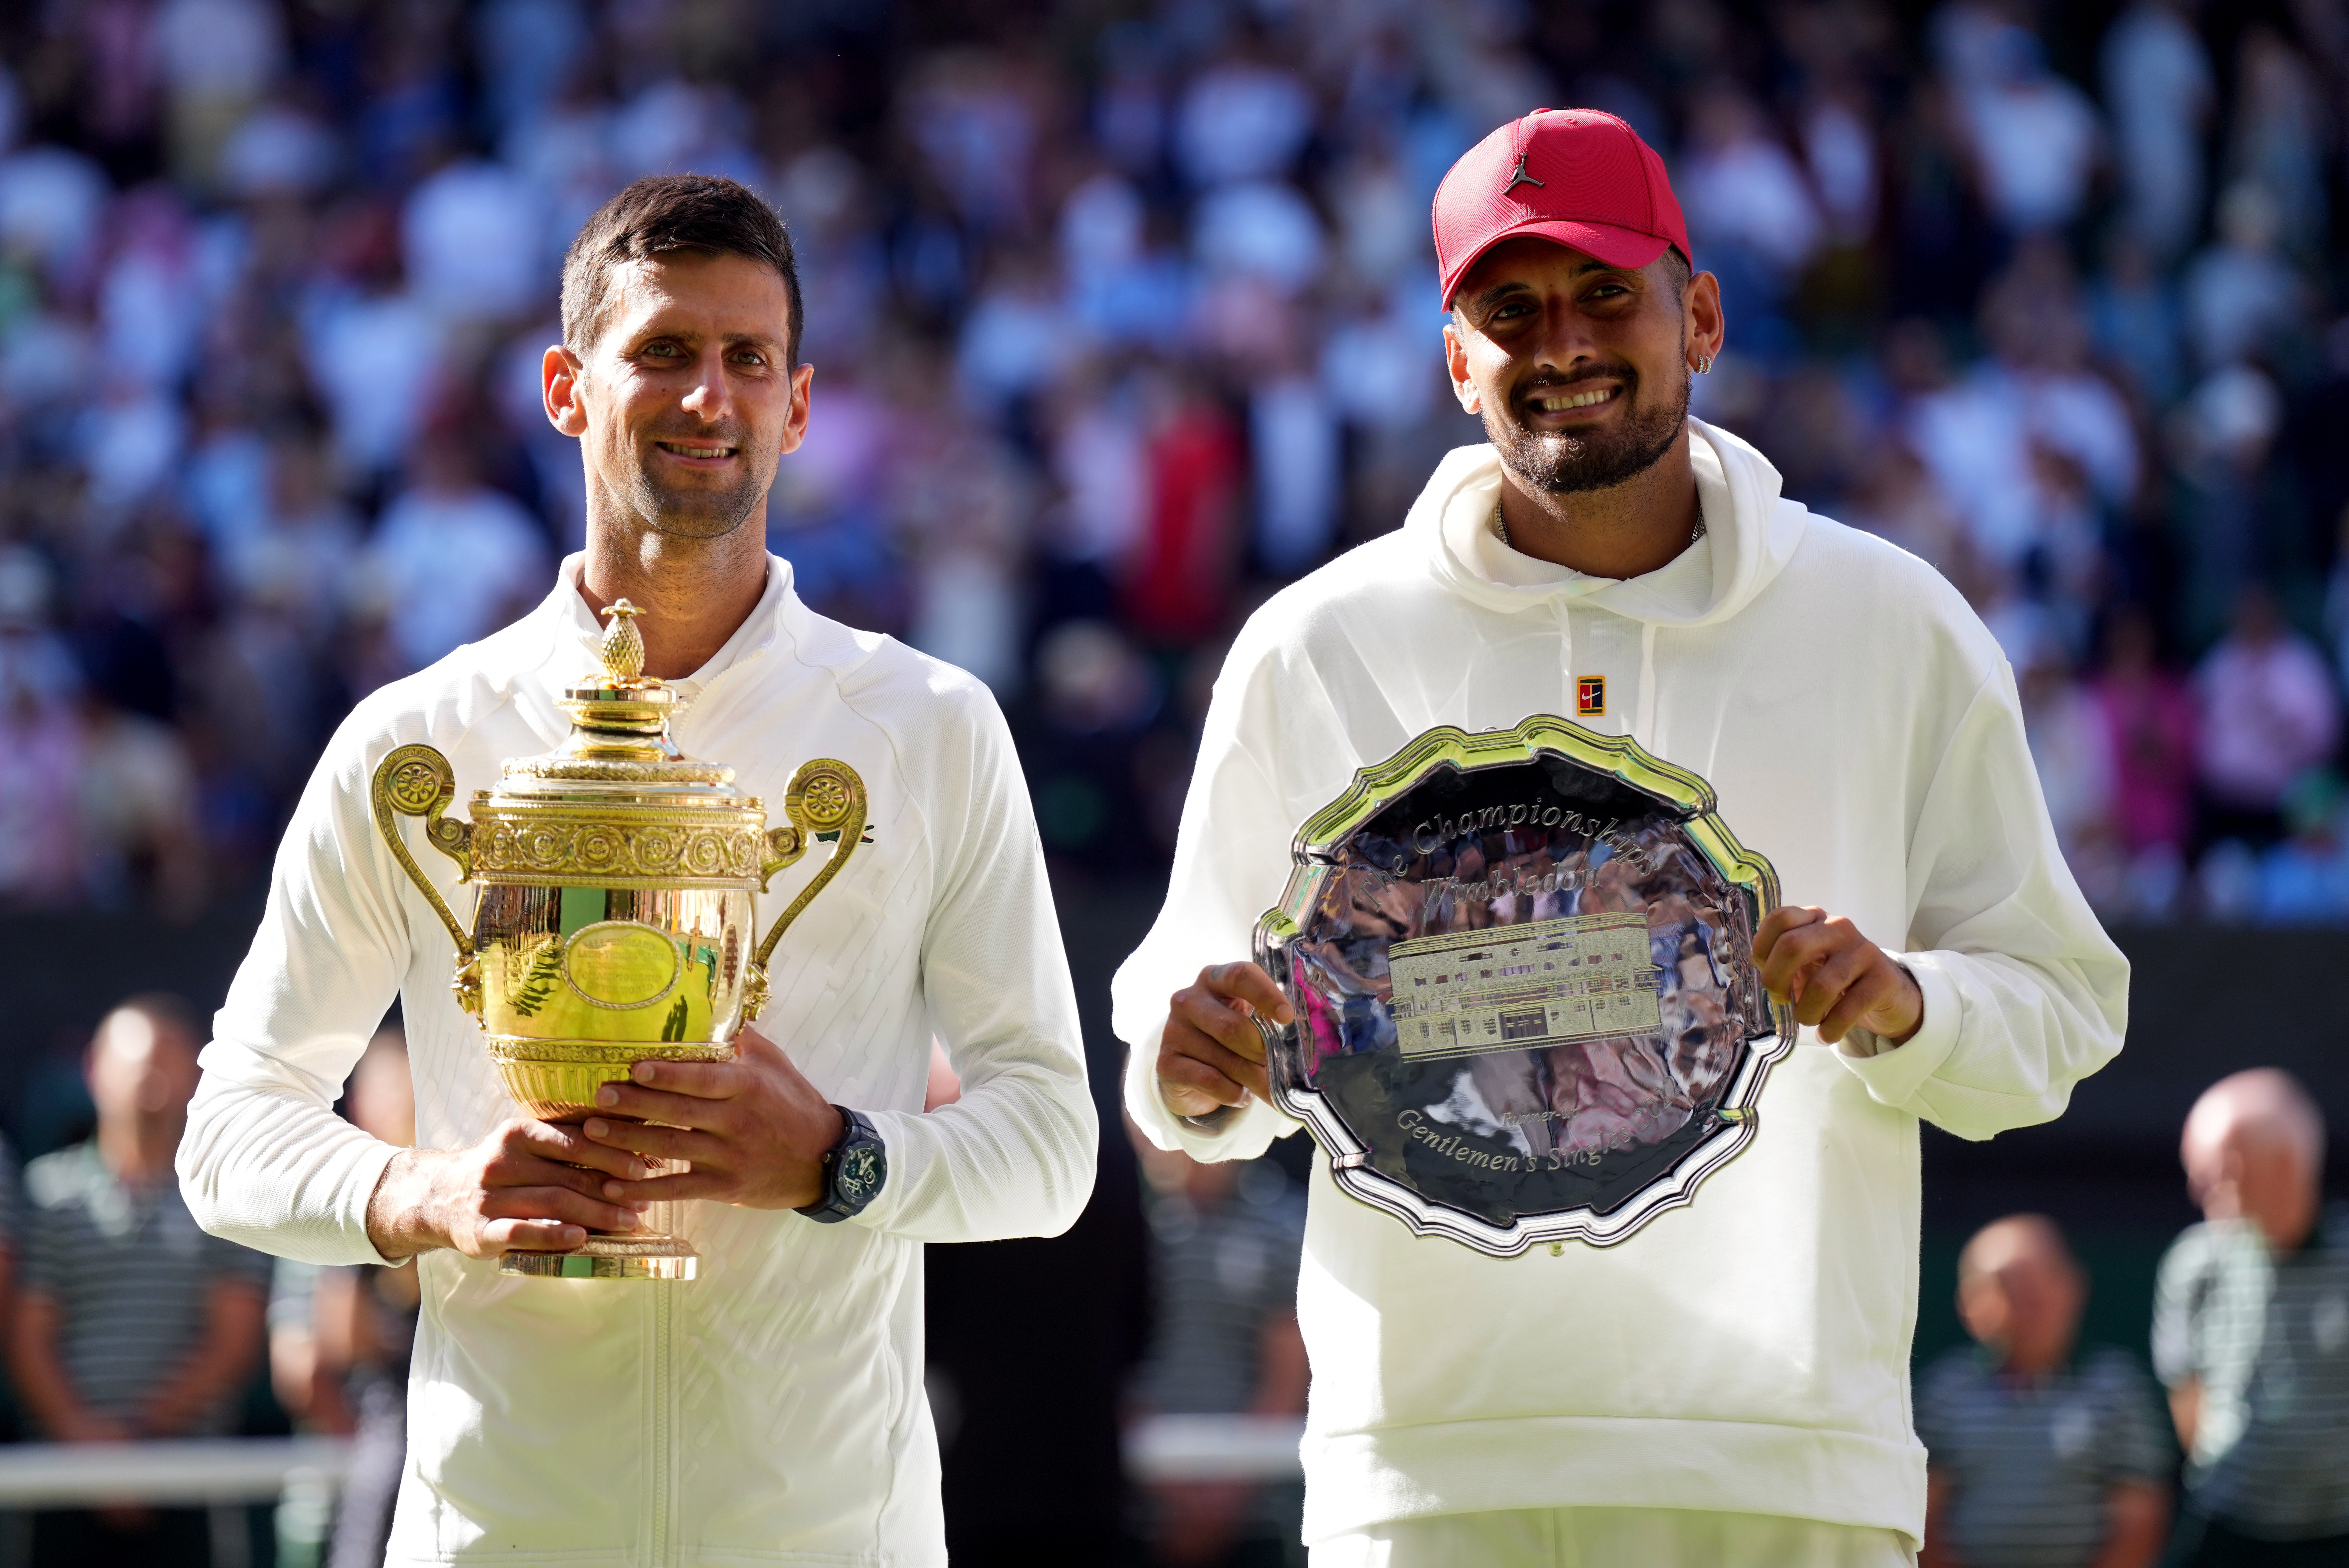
771 1410
1749 1353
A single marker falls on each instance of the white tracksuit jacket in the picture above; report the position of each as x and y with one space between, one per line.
770 1411
1749 1353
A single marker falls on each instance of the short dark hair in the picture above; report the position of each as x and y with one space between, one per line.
1678 269
663 212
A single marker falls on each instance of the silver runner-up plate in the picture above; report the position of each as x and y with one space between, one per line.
1526 1004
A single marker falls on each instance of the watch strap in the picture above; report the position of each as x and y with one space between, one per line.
833 1207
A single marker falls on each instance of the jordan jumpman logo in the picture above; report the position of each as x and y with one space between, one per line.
1522 177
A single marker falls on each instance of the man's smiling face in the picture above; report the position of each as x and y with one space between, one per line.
1580 369
689 403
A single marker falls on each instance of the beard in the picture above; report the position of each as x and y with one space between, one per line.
693 513
1569 464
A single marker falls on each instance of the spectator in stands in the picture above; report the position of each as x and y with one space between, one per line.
11 1241
132 1323
2035 138
2149 721
2336 586
2158 84
339 1336
1226 1238
2066 731
2038 1456
2133 317
40 744
1759 221
2251 1332
300 550
1179 577
136 793
239 285
311 1394
2304 881
1082 739
366 1319
453 560
2269 712
2281 128
1990 437
2242 296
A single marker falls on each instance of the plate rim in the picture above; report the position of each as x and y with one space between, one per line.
1376 786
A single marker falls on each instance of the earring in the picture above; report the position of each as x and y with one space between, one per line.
1704 364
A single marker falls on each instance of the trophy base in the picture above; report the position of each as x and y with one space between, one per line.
608 1257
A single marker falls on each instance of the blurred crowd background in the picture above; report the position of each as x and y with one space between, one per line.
1122 316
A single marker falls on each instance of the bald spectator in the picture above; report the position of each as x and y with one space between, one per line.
2251 1332
132 1323
2038 1458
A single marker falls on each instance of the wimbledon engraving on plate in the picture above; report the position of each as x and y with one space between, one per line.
1556 980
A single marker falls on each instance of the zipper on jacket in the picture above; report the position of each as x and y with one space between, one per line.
664 1317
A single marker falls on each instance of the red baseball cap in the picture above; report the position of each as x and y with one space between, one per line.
1579 176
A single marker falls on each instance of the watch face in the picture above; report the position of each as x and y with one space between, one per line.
860 1173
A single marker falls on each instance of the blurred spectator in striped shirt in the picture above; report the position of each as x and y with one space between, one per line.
133 1323
2251 1332
1226 1238
2039 1458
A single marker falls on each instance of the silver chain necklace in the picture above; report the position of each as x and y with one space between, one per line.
1501 525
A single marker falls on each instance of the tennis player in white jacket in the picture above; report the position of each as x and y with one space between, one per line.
1730 1385
770 1411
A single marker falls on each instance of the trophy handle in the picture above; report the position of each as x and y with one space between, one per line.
825 798
417 781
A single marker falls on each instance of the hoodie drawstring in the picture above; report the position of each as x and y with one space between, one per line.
1644 731
1566 660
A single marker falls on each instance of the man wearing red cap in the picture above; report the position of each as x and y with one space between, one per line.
1729 1384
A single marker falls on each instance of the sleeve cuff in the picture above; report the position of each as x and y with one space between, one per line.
908 1148
1894 1074
1241 1135
365 1178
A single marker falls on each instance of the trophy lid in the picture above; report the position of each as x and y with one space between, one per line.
619 741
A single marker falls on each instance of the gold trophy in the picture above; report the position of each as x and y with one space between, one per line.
618 880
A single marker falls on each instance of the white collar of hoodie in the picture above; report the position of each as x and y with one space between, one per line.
750 639
1751 532
1684 582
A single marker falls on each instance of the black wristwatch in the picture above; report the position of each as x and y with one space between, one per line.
854 1170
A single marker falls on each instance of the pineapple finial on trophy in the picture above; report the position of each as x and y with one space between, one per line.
618 713
622 648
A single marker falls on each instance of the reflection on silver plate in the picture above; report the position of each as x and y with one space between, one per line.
1526 1004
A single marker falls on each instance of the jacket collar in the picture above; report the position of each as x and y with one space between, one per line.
558 641
1749 528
